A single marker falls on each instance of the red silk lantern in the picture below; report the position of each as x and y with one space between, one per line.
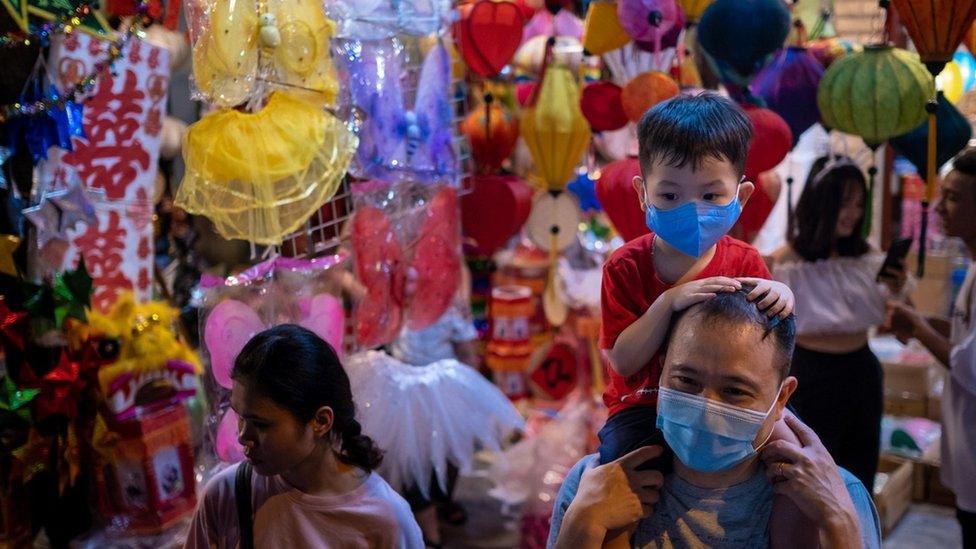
602 106
524 91
771 141
488 35
492 132
757 209
494 210
646 90
615 190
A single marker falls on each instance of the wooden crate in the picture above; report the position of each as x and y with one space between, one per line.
894 496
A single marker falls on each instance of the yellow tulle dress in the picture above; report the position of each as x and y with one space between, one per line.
259 176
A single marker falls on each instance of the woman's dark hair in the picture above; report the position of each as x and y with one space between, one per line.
815 225
300 372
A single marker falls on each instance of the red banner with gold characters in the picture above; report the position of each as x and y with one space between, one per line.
117 158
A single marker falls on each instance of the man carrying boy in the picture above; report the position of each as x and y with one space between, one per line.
692 152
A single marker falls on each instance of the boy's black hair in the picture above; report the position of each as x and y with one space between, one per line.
691 128
815 222
735 308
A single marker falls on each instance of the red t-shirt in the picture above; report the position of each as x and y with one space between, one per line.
630 286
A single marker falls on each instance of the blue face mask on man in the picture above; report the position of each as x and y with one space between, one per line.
694 227
707 435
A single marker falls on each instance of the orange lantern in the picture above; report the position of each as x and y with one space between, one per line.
646 90
509 347
936 28
555 130
492 132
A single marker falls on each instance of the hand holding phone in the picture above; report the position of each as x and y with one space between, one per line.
895 259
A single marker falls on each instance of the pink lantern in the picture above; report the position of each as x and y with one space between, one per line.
648 20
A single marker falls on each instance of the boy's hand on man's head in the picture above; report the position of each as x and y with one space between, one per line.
772 297
696 291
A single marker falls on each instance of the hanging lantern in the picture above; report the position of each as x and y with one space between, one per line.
554 128
488 34
492 132
531 55
494 210
815 16
953 134
645 91
601 29
950 81
693 9
936 28
647 20
615 190
602 106
771 141
849 101
967 68
828 50
740 36
789 87
668 40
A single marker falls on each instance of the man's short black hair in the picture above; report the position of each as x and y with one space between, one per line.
736 309
965 162
691 128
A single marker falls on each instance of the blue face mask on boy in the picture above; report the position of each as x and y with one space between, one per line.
706 435
694 227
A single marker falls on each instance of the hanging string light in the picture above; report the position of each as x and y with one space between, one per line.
86 84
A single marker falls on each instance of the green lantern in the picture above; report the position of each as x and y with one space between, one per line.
875 94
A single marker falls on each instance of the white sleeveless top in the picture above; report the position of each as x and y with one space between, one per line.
837 295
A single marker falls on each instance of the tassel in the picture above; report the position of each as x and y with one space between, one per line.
930 108
869 200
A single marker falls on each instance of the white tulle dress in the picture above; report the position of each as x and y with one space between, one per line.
426 409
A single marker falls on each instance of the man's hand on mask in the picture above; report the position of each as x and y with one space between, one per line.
807 474
616 495
696 291
772 297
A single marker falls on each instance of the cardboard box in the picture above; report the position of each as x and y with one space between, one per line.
928 485
893 490
910 379
911 406
933 293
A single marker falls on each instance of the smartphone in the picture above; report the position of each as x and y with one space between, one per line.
896 254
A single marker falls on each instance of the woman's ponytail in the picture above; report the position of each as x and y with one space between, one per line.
358 449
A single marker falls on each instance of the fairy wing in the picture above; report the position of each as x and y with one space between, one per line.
433 158
373 69
379 259
437 260
303 60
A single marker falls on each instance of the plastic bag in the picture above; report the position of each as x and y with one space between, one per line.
278 291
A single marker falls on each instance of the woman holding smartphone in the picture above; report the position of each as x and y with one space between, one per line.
841 288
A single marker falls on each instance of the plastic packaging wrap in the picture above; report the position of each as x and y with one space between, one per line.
401 232
373 19
239 46
258 176
531 472
278 291
408 133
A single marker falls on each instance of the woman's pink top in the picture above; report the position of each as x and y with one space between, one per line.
372 515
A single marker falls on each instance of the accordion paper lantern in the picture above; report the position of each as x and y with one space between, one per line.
739 36
771 141
615 190
789 87
645 91
936 27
